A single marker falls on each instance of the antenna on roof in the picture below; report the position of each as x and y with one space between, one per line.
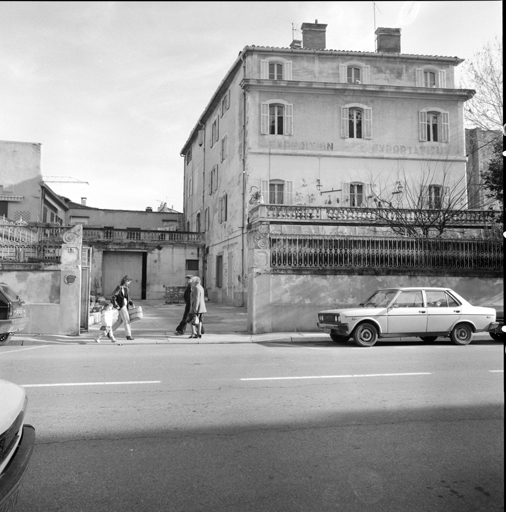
291 23
374 7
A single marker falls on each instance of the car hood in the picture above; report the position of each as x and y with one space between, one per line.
354 311
12 401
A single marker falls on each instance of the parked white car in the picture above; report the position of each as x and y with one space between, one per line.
424 312
16 443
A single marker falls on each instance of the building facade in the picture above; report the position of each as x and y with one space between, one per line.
323 129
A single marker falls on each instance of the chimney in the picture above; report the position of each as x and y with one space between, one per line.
313 35
83 201
388 40
296 44
149 209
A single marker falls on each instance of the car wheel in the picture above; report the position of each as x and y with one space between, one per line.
428 339
339 339
498 336
462 334
5 337
365 335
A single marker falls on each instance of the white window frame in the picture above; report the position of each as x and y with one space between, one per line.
287 190
439 73
365 72
443 124
287 117
287 68
367 132
348 194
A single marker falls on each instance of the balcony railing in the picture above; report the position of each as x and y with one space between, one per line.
313 251
348 215
127 235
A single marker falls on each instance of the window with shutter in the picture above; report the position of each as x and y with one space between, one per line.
343 77
289 119
345 194
264 191
289 192
344 122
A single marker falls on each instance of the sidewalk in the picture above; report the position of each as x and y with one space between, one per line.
223 324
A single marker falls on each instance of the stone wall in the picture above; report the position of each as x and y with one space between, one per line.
174 294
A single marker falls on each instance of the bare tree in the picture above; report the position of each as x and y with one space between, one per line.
484 74
416 207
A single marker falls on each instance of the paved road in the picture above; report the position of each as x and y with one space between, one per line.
251 427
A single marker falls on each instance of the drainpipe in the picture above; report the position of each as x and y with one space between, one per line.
203 216
244 217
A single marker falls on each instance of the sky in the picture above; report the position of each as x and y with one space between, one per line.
112 90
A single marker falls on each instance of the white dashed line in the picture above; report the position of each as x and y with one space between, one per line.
340 376
90 384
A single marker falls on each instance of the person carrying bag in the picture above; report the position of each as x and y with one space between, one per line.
121 301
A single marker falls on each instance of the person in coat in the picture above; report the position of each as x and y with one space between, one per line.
121 302
181 328
197 307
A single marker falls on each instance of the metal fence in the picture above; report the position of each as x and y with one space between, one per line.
22 243
316 251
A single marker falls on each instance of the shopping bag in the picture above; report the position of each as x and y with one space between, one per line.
135 314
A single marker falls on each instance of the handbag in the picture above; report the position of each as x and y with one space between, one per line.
195 320
136 313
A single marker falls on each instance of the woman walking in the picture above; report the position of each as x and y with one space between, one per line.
121 302
197 307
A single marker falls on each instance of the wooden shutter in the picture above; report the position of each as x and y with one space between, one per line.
264 190
345 194
343 73
288 120
422 125
445 125
264 121
288 199
419 77
367 193
442 79
366 75
345 117
224 203
368 123
287 70
264 69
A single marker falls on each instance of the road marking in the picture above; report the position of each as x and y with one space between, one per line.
496 371
90 384
22 349
340 376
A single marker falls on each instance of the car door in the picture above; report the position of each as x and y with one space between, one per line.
407 313
442 311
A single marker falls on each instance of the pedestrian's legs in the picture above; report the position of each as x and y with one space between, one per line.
123 317
199 326
181 328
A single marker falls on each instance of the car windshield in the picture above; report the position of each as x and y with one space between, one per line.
380 299
9 293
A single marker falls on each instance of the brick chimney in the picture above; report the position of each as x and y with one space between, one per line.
313 35
388 40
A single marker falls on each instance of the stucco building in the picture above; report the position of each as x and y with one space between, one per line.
307 141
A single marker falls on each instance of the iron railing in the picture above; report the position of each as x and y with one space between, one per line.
144 235
332 251
20 242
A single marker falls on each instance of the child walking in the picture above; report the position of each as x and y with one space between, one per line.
107 317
